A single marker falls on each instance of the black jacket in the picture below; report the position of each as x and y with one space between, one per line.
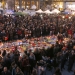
7 73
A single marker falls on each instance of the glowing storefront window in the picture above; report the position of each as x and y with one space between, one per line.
23 3
72 7
28 4
16 4
32 3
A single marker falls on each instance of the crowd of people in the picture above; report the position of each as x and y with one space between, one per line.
18 27
35 63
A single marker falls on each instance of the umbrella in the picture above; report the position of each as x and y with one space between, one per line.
67 12
33 7
47 12
26 11
9 12
39 11
55 11
18 13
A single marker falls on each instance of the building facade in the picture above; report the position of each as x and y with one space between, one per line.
61 4
26 3
15 4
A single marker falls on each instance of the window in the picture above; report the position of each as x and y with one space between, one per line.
32 3
23 3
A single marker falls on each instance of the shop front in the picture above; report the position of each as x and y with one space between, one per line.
70 5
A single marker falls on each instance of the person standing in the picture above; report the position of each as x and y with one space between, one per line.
57 72
71 61
6 72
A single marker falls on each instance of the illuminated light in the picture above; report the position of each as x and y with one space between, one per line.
2 3
55 5
71 7
18 7
27 6
63 41
63 16
69 17
73 13
60 6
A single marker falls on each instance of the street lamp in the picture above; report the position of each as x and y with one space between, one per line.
27 6
60 7
63 17
18 7
69 17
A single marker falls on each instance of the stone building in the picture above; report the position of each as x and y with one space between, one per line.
15 4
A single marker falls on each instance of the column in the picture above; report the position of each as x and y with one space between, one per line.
20 3
3 3
14 4
39 4
29 4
